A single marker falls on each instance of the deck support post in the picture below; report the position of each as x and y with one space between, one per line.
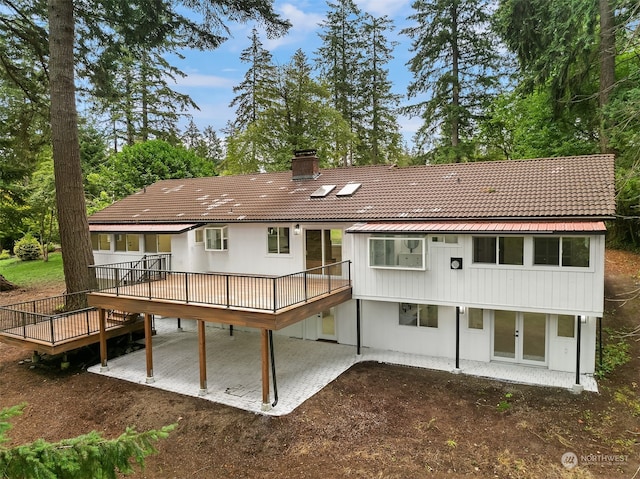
202 348
102 319
148 345
265 370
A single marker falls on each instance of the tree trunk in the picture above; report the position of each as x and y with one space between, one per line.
607 65
6 285
77 254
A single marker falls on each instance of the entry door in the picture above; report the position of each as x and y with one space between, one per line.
520 337
323 247
327 325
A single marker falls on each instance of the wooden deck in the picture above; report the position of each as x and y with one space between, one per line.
260 302
61 334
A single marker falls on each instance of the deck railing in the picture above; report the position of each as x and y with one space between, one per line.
254 292
37 319
148 268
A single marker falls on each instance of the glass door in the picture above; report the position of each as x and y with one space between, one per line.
534 338
327 325
323 247
504 335
520 337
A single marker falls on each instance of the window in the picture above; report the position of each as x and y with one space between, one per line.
501 250
546 251
566 326
511 250
442 240
216 239
484 249
422 315
157 243
278 240
200 236
397 252
475 319
127 242
164 243
573 251
100 242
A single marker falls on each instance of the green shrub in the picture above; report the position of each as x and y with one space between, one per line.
5 254
28 248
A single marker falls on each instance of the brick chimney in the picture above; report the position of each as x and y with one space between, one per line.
304 165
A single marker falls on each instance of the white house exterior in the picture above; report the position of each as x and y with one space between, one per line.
499 261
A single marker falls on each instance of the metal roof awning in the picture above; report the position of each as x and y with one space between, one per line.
141 228
506 227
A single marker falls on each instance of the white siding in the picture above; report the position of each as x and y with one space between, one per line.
520 288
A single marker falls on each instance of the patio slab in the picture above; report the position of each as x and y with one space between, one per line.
303 367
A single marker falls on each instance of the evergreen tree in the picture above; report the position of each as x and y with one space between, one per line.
253 93
455 72
89 455
299 117
339 59
379 132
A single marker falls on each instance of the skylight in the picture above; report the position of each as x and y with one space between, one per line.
349 189
323 191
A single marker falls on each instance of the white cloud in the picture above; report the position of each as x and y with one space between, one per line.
207 81
303 24
382 7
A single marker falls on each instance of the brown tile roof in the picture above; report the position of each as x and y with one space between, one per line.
575 187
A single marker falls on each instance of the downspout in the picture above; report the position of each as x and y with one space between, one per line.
577 387
358 331
273 370
600 341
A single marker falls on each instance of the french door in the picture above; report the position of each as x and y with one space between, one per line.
520 337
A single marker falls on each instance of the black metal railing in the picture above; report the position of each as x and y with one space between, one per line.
38 319
148 268
255 292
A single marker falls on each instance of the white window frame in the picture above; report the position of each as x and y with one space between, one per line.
199 232
402 250
419 307
223 236
277 230
444 240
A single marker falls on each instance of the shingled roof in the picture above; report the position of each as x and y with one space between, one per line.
544 188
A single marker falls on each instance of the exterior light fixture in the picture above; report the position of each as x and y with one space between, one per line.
462 309
583 319
296 229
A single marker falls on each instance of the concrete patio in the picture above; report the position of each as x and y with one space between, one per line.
303 368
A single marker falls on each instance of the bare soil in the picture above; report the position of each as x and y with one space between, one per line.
375 421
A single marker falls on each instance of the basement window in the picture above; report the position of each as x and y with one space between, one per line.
421 315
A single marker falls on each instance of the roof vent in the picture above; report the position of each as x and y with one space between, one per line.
304 165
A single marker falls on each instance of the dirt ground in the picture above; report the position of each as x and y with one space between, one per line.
375 421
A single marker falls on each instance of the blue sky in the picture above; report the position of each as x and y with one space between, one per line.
212 75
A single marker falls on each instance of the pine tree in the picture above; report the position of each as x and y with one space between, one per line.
253 93
455 71
339 60
379 132
89 455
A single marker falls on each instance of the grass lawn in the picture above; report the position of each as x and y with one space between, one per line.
29 273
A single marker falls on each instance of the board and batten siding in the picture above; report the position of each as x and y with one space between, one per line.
522 288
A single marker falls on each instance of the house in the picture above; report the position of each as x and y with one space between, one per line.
491 261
